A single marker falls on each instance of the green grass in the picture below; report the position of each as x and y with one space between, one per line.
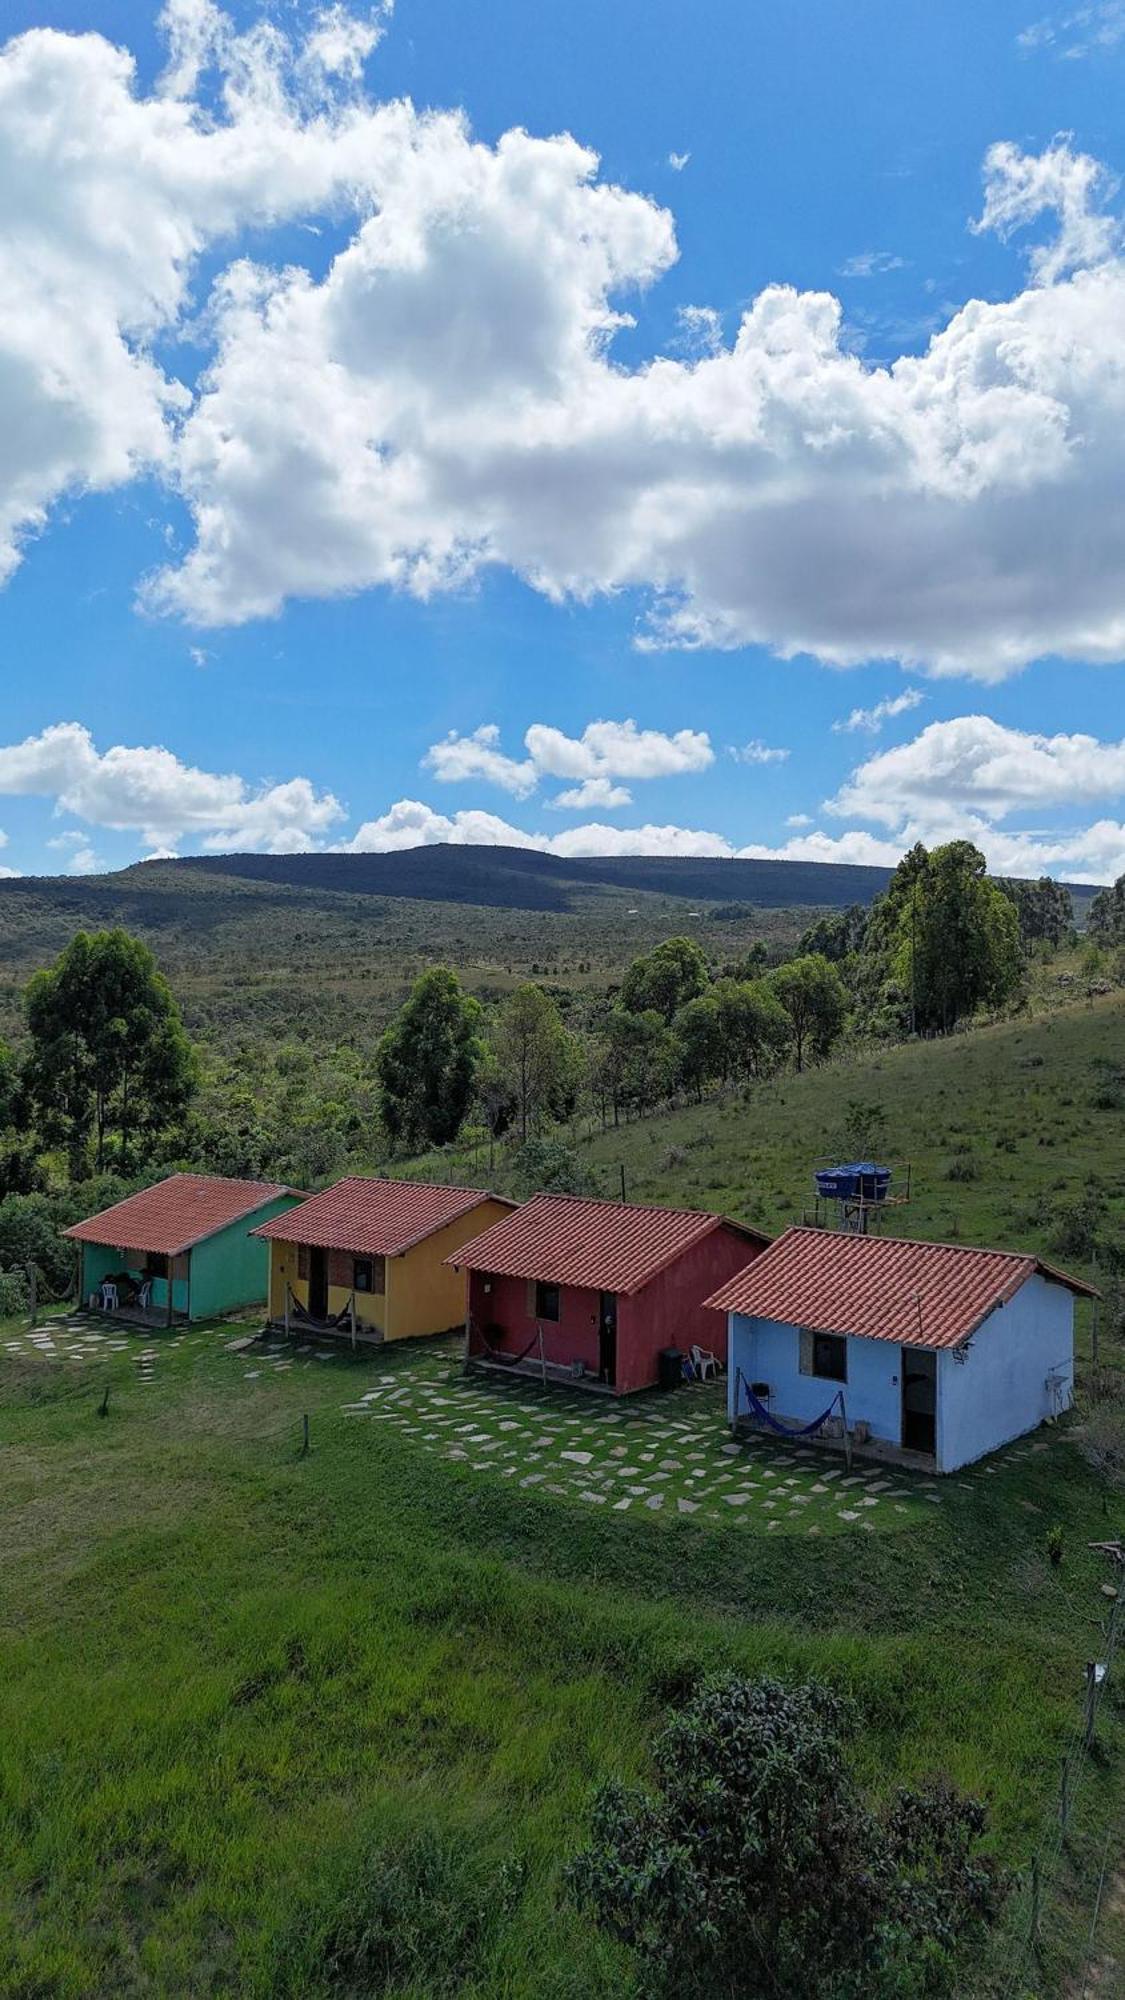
238 1684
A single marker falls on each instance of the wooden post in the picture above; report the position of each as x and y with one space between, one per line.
1091 1702
623 1180
285 1312
352 1304
1064 1794
1036 1895
32 1279
737 1393
542 1355
305 1435
103 1406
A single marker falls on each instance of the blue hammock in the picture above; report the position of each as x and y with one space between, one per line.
758 1409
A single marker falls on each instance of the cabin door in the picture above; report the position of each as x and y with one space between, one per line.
318 1283
607 1338
919 1400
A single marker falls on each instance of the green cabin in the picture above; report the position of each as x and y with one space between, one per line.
181 1250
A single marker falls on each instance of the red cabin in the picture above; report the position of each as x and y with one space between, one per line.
597 1288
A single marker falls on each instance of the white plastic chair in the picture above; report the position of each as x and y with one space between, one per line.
144 1295
109 1297
705 1363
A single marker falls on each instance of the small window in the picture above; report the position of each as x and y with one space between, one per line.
829 1357
546 1301
368 1274
156 1266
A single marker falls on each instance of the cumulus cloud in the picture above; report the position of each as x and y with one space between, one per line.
479 756
980 765
149 791
445 398
871 720
410 823
605 752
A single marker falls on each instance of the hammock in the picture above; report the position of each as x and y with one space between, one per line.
759 1410
343 1318
501 1353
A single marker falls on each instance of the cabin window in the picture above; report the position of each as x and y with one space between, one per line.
156 1264
369 1274
824 1355
546 1300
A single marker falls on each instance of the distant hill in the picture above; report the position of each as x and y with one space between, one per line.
520 878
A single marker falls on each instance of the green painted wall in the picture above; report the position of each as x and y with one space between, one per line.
100 1260
231 1268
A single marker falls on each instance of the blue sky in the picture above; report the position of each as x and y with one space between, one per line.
294 531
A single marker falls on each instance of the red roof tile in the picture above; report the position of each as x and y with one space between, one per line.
376 1218
881 1287
176 1213
609 1246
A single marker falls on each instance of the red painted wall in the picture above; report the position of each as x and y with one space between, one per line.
668 1312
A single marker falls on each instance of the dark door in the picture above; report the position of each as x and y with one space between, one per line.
318 1284
607 1338
919 1400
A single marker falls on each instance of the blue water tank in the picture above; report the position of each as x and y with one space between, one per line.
855 1180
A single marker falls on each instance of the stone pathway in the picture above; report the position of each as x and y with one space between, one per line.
665 1459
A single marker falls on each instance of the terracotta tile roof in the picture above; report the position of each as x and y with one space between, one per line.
376 1218
176 1213
881 1287
610 1246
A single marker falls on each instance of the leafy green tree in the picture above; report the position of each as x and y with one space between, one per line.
636 1063
836 936
753 1028
427 1060
537 1060
665 979
1044 909
757 1868
9 1083
958 939
1106 918
700 1048
814 997
109 1054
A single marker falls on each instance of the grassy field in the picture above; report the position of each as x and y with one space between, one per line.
285 1725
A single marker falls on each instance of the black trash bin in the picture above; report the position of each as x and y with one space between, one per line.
669 1367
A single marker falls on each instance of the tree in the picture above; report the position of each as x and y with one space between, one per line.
665 979
426 1062
1105 920
940 943
1044 910
637 1060
757 1868
547 1166
108 1049
700 1049
536 1058
814 997
837 936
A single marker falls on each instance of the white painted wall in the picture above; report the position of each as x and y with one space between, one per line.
1000 1390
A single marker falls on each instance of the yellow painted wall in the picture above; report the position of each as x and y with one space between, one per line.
424 1295
370 1307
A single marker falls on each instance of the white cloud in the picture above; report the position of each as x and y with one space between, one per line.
975 764
410 823
604 753
150 792
871 720
478 756
619 750
1087 31
961 510
339 43
678 161
871 264
1020 187
701 331
757 752
799 819
601 792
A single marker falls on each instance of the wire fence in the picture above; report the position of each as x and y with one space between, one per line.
1040 1879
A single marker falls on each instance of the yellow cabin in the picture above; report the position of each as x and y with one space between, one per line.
366 1259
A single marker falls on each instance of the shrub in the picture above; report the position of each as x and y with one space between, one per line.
758 1867
1055 1545
962 1166
13 1294
547 1166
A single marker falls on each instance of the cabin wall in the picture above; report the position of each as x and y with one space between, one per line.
426 1295
669 1310
767 1350
231 1268
503 1308
1002 1388
286 1264
103 1260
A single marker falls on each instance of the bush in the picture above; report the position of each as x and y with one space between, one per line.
962 1166
758 1867
14 1296
547 1166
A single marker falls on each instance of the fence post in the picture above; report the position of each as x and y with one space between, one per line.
32 1293
305 1435
1091 1702
1064 1794
1036 1892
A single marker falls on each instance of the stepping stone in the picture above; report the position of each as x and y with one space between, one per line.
736 1499
619 1506
587 1494
848 1514
655 1500
688 1506
579 1457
